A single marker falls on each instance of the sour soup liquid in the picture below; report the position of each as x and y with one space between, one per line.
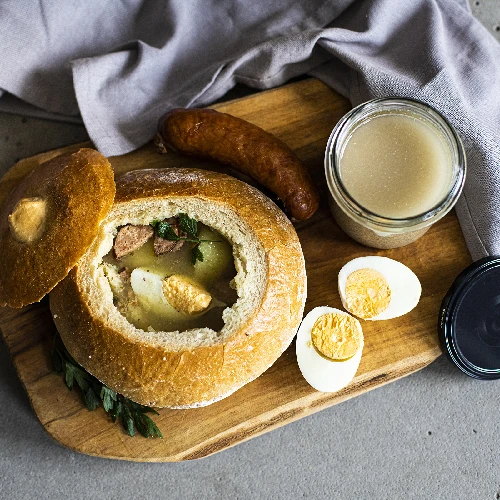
396 165
214 274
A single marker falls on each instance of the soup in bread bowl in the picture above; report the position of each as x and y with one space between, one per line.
183 336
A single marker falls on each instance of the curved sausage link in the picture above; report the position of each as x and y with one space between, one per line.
207 133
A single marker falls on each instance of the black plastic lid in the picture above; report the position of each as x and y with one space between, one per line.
469 320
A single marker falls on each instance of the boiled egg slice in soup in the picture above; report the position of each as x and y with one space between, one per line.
329 347
148 289
173 296
375 288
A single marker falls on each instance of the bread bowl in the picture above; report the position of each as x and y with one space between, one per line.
185 369
49 221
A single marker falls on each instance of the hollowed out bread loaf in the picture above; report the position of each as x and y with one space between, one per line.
196 367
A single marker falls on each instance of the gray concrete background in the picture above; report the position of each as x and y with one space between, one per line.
432 435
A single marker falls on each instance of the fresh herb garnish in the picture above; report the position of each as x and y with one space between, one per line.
196 254
188 226
132 415
166 231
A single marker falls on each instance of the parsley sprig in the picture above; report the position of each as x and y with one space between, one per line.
188 226
132 415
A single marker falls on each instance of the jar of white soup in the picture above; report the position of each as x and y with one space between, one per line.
393 166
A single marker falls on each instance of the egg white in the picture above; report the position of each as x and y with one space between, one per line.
321 373
148 289
404 284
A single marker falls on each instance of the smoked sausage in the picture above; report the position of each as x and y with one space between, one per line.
206 133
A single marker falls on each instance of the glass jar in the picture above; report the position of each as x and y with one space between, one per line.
368 227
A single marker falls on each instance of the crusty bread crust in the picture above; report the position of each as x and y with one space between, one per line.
197 367
79 190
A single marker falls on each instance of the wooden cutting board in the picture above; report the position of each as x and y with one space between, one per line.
303 115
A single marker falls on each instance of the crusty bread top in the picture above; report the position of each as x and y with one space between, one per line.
78 189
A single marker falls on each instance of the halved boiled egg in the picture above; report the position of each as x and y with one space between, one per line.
375 288
329 347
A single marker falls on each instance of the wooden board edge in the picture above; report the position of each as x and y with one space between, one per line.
278 417
259 425
307 406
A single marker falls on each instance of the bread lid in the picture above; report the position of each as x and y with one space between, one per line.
49 221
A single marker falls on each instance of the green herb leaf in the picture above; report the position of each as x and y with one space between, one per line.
166 231
196 254
108 397
141 408
69 374
91 399
128 421
188 225
73 373
80 377
131 414
153 430
116 412
141 425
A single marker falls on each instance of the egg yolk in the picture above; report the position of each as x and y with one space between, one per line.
337 336
367 293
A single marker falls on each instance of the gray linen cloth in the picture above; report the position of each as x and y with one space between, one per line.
121 64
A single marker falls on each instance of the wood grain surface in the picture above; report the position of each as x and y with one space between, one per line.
303 115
